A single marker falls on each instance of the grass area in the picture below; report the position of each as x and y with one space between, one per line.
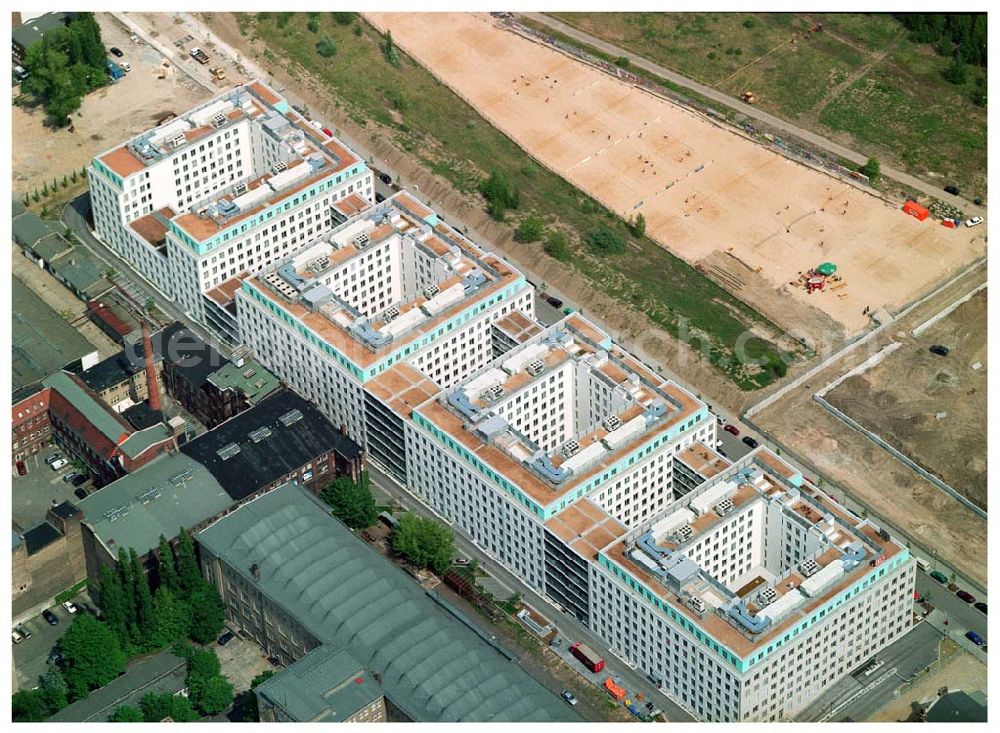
72 591
900 107
424 117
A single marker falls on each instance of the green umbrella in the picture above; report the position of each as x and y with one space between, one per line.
827 268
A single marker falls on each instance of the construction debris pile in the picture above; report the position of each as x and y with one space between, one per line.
821 278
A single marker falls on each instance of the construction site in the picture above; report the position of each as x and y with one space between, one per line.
745 215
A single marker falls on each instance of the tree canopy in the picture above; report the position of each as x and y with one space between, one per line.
91 654
351 501
425 542
953 34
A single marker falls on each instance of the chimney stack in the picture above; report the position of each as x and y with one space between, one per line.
255 571
151 383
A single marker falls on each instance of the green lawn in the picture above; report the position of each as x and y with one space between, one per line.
900 109
426 118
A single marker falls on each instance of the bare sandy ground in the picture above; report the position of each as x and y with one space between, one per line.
702 189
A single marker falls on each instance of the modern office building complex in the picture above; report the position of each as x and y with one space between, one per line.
390 284
224 189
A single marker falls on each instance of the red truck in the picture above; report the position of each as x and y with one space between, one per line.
588 656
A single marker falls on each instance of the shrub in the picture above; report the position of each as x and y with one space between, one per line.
313 24
606 240
500 195
556 245
343 18
623 62
326 47
749 23
531 229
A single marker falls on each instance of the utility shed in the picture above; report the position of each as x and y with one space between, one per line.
434 664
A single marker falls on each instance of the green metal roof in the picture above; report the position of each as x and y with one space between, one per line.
256 386
28 228
326 685
143 439
101 417
181 503
434 665
82 272
42 341
50 247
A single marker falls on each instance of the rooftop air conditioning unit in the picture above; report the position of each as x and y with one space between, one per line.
239 189
431 290
494 392
612 423
808 568
535 367
767 596
724 507
178 140
219 120
391 314
684 533
697 604
570 449
279 167
361 240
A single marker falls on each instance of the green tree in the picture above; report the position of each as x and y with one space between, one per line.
188 571
389 49
326 47
113 604
956 71
208 615
352 501
209 690
638 225
127 714
91 654
424 542
872 169
557 245
606 240
166 568
128 590
157 707
54 690
248 700
500 194
532 228
143 603
171 618
343 18
623 62
313 24
29 706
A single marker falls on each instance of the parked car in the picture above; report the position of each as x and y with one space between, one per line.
461 561
385 178
80 480
80 494
126 66
974 221
50 617
953 190
22 470
53 458
70 606
732 429
71 475
116 51
939 350
747 440
61 463
16 636
379 198
965 596
55 656
327 132
553 301
981 607
974 638
569 697
226 638
23 631
939 577
650 706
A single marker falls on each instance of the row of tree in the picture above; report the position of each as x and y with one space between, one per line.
64 65
962 35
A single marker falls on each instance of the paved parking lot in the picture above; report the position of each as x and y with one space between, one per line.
31 655
241 661
33 494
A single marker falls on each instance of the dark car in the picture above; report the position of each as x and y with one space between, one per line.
553 301
50 617
385 178
23 631
953 190
939 577
80 494
116 51
974 638
226 638
939 350
964 595
55 657
79 480
379 198
22 470
732 429
71 476
981 607
750 442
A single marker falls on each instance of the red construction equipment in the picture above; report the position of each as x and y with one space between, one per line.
816 282
914 209
616 691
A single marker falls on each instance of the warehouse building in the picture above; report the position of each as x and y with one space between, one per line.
296 579
223 189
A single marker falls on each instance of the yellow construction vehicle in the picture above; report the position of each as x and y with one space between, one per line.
749 97
217 73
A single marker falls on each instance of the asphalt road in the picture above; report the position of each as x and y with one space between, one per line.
961 616
856 696
754 112
569 627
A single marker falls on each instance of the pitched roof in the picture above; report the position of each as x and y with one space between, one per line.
435 665
110 425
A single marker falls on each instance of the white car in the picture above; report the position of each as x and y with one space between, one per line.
974 221
126 66
316 124
16 636
60 463
70 606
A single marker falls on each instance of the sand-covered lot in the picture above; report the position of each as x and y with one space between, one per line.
702 188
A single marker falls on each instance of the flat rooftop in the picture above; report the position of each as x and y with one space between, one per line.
649 407
402 388
586 528
849 548
703 460
437 274
517 327
305 156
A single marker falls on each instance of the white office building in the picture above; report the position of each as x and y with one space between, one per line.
390 285
220 191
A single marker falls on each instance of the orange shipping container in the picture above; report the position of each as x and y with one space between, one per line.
914 209
618 693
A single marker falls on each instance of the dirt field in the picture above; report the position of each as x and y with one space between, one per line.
871 477
701 188
960 672
107 116
900 399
